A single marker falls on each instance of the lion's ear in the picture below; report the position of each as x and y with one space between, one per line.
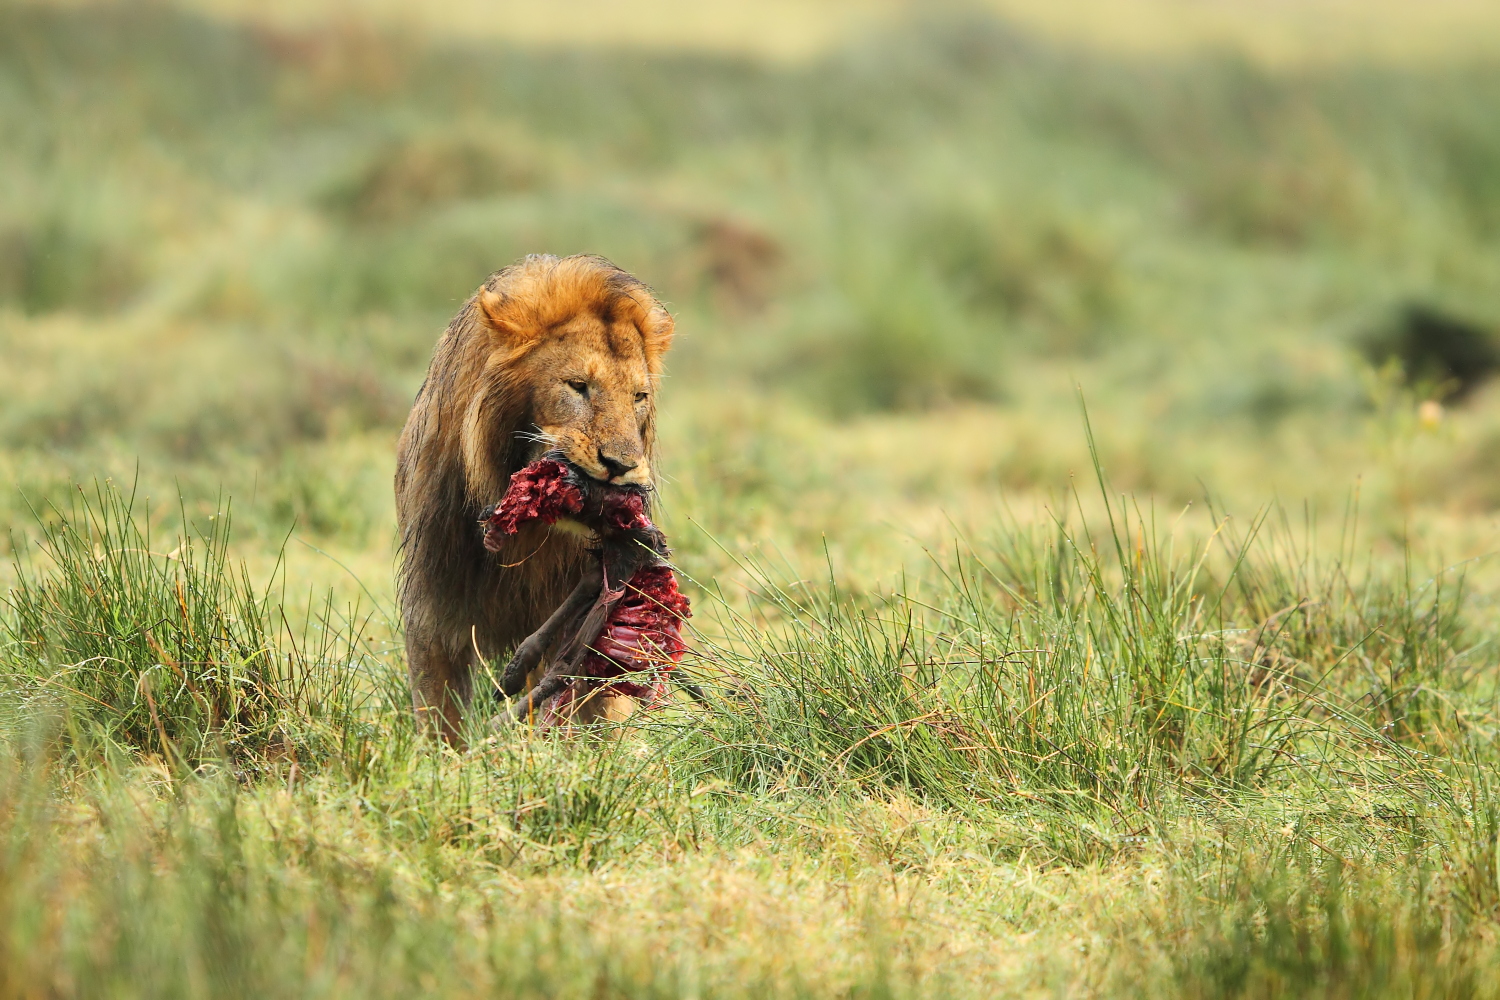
656 330
496 311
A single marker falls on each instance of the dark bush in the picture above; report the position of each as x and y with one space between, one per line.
1437 352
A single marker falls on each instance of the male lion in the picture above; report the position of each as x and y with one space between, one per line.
549 354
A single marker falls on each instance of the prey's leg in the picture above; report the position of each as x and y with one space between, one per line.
563 621
694 691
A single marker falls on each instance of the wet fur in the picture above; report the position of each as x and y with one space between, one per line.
474 423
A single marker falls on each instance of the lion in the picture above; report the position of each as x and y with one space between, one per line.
550 354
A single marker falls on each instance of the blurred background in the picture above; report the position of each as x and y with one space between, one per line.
907 244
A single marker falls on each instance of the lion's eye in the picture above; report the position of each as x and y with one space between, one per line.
641 397
579 386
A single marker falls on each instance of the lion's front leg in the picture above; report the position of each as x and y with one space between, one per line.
441 686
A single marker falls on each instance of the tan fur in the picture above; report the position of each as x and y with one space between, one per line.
503 388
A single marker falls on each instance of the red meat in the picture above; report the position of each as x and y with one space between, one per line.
642 636
625 510
542 492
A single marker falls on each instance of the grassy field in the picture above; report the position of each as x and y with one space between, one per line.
1281 32
1091 560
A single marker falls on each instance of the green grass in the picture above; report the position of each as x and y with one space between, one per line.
1300 802
175 652
1195 697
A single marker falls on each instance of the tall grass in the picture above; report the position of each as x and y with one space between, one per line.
170 649
1059 661
1069 696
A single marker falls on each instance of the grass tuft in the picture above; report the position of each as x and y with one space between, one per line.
166 649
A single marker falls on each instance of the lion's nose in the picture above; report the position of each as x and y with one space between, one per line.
615 467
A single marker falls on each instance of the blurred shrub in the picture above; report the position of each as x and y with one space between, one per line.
424 269
118 74
53 263
1438 354
734 263
404 178
190 396
1295 181
1025 265
1270 383
275 398
904 343
1469 152
427 269
1259 158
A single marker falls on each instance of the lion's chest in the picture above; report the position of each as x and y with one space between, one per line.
570 527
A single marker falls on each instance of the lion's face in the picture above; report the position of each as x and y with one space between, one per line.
591 397
572 352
